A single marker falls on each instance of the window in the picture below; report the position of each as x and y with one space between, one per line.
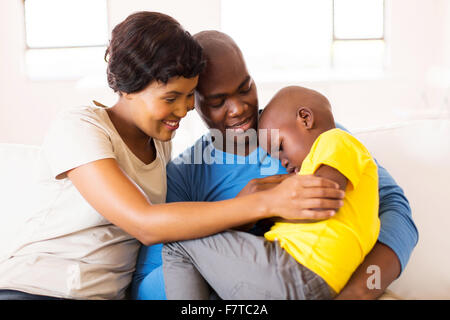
358 34
288 39
65 39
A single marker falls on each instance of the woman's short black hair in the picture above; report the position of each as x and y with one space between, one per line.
149 46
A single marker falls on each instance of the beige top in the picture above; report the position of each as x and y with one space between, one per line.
66 248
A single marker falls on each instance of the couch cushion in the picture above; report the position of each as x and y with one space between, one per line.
17 172
417 154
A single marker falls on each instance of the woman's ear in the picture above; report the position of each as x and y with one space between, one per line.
127 96
305 117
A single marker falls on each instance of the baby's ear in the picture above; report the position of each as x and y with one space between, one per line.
305 117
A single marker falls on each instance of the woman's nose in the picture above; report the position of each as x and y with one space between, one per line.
181 110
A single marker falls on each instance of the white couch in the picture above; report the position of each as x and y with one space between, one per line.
416 153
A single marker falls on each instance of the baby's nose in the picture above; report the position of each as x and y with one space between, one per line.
284 163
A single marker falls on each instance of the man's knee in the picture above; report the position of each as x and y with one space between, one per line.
168 250
175 251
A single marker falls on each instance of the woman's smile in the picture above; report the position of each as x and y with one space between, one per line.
171 124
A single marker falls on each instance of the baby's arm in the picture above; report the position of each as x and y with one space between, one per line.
331 173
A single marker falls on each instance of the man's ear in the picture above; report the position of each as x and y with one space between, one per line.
305 117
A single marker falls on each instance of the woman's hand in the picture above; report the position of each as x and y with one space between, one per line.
261 184
299 197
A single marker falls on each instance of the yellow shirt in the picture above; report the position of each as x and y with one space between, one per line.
335 247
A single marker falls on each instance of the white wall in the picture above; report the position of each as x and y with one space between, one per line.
27 107
418 34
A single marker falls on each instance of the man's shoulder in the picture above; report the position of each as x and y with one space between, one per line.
188 174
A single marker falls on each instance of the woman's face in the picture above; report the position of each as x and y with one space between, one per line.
227 95
158 109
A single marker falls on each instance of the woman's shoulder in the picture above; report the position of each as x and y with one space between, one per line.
78 125
82 113
82 119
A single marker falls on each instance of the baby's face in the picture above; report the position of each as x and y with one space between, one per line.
291 145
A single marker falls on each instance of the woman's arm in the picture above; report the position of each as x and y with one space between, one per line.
109 191
267 183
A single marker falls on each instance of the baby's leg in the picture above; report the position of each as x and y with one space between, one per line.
237 265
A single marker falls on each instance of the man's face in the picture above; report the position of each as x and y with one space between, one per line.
227 97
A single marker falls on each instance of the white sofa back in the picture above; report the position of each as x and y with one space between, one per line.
416 153
17 185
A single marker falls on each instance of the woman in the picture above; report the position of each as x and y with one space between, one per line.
103 179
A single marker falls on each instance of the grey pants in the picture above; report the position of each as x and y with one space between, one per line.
237 265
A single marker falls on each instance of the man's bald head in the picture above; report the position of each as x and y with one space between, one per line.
226 96
223 57
216 43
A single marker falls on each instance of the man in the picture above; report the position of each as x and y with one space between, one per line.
227 102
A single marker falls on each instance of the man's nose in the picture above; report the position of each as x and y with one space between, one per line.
236 107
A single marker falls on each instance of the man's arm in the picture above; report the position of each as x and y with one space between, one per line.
389 269
398 237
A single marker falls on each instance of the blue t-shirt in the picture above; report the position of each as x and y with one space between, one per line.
203 173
